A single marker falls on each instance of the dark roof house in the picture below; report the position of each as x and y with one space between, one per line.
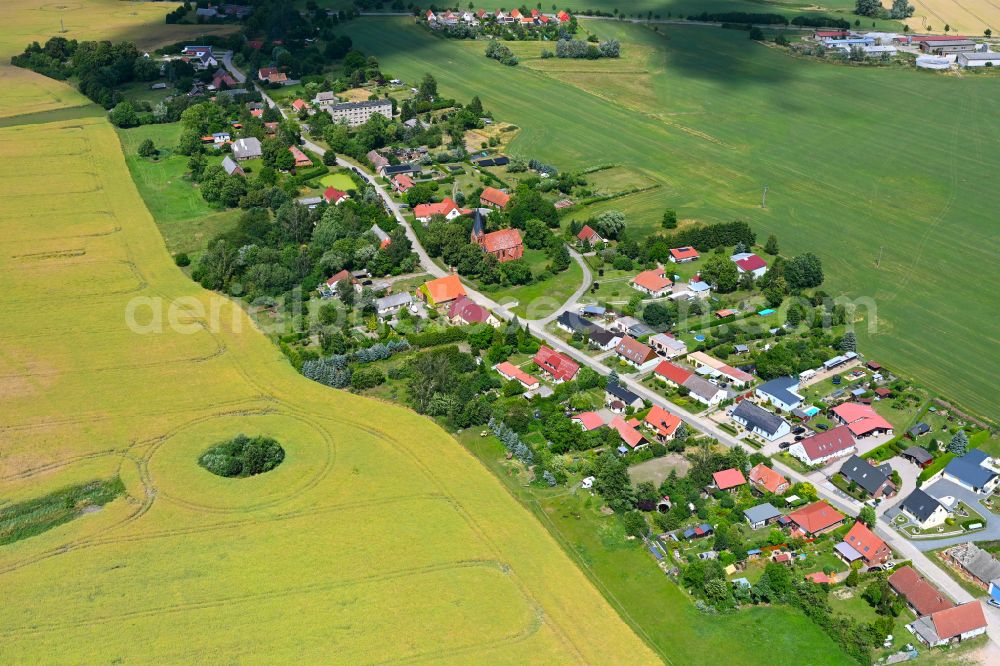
758 418
874 480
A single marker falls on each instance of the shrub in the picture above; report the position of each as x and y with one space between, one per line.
182 259
243 456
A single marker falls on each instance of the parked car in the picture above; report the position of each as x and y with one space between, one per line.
799 438
993 602
798 430
823 426
785 445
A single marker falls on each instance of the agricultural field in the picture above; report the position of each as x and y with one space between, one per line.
900 223
376 521
967 18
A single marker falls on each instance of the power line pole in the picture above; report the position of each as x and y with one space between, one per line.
763 198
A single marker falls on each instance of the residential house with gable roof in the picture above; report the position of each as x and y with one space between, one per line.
862 420
816 518
922 597
558 367
951 625
653 282
925 511
861 543
765 479
781 393
663 424
760 421
637 354
824 446
875 481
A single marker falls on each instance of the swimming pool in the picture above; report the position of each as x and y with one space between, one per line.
699 338
764 313
813 410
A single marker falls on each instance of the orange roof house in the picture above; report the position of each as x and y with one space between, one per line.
663 423
672 373
335 196
505 244
446 208
299 105
511 372
628 433
763 477
402 183
729 479
816 518
653 282
636 353
871 548
441 290
588 420
494 198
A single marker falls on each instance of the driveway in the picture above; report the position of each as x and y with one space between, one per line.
908 473
947 489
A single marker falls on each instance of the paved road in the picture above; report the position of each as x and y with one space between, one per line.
700 423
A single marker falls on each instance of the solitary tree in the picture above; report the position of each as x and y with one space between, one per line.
147 148
771 246
959 443
987 33
669 219
612 379
867 516
849 343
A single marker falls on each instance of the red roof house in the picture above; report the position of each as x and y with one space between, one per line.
750 264
402 183
510 372
923 598
463 311
636 353
959 622
816 518
494 198
301 159
862 420
257 113
871 548
560 368
679 255
588 420
671 373
762 476
335 196
588 234
663 423
729 479
818 577
342 275
563 17
824 446
299 105
653 282
505 244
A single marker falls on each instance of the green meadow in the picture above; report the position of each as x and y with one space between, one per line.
887 174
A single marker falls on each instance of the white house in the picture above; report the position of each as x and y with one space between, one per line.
747 262
667 346
956 624
925 511
759 421
389 305
823 447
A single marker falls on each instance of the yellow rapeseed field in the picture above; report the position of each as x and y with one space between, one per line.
379 539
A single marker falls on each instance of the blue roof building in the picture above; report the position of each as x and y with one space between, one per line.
781 392
971 471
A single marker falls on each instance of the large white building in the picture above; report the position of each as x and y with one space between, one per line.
358 113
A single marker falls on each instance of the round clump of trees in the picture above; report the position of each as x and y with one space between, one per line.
243 456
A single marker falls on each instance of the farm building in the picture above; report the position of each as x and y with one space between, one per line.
949 46
974 563
494 198
918 455
978 59
231 167
246 149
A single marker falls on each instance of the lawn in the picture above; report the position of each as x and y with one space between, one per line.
377 521
653 605
682 102
339 180
186 221
543 297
